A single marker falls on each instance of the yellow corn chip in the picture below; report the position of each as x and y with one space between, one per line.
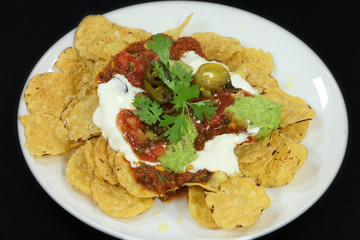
70 62
98 39
126 180
217 47
198 208
296 131
213 183
78 173
79 120
80 70
256 60
49 93
45 135
117 202
111 153
89 152
287 160
239 203
255 167
251 152
294 109
175 32
257 79
102 167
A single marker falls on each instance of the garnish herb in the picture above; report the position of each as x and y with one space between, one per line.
148 110
159 177
180 84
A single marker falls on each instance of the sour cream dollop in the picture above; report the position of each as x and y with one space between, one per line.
218 154
115 95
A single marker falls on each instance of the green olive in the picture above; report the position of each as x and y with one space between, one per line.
212 76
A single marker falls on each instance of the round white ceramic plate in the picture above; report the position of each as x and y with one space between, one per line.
299 71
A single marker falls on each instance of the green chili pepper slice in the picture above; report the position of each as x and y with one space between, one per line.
161 94
212 76
152 76
155 87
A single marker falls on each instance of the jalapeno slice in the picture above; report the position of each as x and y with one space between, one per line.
212 76
152 76
154 85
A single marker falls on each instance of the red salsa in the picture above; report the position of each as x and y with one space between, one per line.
165 182
132 63
135 133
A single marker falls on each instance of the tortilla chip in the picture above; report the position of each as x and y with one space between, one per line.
250 61
256 60
45 135
296 131
78 173
80 70
213 184
89 152
124 174
216 47
294 109
239 203
239 59
117 202
256 79
70 62
198 208
287 160
87 85
256 164
251 152
102 167
49 93
98 39
79 120
111 154
175 32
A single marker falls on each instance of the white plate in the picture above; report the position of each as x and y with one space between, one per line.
296 65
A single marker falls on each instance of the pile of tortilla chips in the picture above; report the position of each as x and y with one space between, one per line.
61 106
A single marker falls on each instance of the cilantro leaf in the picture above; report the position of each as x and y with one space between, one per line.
148 110
161 44
180 72
177 122
183 94
161 72
203 108
180 84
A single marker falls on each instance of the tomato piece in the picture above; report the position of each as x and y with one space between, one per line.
132 66
134 132
122 59
133 129
158 149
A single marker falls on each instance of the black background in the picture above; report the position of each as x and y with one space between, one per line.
29 28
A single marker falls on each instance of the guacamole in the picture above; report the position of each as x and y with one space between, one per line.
257 111
179 154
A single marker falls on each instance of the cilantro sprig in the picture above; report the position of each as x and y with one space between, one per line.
148 110
180 84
